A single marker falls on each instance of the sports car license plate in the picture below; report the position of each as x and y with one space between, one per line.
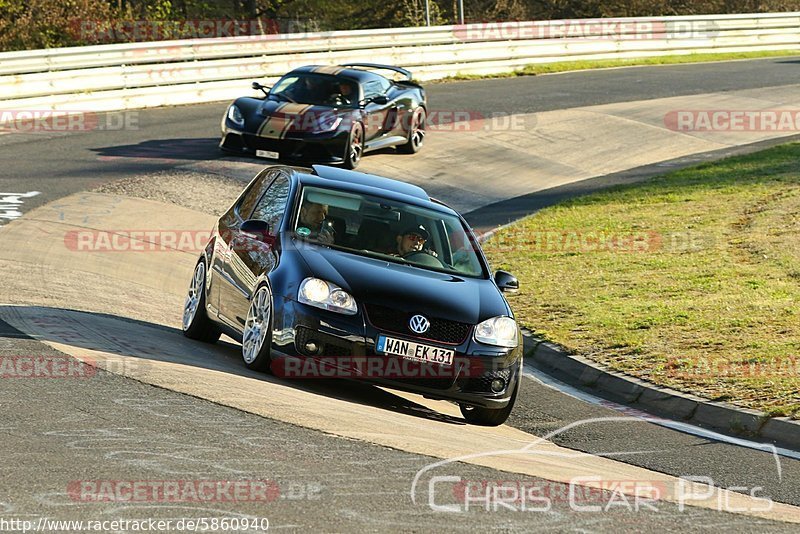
267 154
414 351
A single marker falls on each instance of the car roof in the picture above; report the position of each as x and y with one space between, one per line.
359 182
359 75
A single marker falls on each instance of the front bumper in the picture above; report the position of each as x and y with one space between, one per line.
324 148
345 348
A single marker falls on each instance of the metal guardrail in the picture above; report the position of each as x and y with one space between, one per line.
137 75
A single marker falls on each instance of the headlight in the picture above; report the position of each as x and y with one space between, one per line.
322 294
235 116
500 331
329 122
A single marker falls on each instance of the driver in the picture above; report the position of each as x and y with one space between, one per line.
412 239
346 92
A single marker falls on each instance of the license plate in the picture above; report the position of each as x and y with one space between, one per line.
267 154
414 351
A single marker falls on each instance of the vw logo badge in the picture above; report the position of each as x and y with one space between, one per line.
419 324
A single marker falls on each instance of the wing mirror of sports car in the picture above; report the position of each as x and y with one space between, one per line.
380 100
506 281
257 229
258 87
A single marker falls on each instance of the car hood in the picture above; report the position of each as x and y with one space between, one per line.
403 287
291 111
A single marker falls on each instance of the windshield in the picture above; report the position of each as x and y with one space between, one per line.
389 230
316 89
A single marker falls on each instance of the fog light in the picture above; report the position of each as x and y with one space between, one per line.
311 347
497 385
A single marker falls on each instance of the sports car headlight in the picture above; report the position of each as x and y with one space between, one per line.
235 116
500 331
329 122
321 294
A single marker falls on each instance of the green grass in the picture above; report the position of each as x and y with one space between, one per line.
564 66
690 280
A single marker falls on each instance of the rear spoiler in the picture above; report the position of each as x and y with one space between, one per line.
399 70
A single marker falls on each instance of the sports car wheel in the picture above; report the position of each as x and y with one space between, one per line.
416 133
196 324
257 337
475 415
355 147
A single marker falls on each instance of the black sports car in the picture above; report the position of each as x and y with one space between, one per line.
328 114
334 273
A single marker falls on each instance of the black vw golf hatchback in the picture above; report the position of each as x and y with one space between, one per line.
331 273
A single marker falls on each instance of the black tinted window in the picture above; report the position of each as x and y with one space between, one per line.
272 205
256 191
376 87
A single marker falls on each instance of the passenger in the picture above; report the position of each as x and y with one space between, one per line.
312 223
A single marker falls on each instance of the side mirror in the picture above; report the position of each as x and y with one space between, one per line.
258 230
506 281
258 87
380 100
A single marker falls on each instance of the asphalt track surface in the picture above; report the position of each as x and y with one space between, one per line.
144 433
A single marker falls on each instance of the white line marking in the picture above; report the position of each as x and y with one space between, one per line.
686 428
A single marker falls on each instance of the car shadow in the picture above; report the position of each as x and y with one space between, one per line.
182 150
186 149
141 344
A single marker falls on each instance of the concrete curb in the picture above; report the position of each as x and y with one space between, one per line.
660 401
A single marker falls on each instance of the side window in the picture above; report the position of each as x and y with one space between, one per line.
376 87
385 85
272 205
248 201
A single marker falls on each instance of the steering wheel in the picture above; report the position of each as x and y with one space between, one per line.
423 258
337 99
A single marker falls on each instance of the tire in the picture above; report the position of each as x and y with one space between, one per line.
257 335
476 415
196 324
416 133
355 147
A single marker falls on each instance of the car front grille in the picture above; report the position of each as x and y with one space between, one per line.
396 321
